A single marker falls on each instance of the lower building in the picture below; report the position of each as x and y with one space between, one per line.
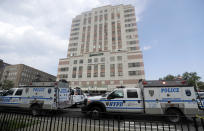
22 74
102 72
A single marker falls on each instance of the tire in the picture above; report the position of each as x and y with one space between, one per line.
35 110
95 112
174 115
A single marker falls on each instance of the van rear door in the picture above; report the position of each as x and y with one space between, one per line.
64 99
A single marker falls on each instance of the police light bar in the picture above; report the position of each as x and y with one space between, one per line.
155 83
144 83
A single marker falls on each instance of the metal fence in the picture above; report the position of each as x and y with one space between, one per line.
59 122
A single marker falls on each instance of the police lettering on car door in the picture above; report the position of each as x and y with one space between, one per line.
114 103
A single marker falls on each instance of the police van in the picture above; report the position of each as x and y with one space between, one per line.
172 98
38 96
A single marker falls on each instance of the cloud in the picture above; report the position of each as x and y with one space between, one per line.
36 32
145 48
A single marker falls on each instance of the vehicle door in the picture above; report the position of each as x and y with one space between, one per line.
134 102
17 98
115 101
64 100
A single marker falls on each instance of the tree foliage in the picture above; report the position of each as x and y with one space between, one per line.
192 79
7 84
168 77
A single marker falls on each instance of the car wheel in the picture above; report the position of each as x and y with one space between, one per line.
35 110
95 112
174 115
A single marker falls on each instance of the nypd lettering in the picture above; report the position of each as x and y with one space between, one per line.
38 89
169 90
63 91
114 104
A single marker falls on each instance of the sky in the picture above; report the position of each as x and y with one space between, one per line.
171 33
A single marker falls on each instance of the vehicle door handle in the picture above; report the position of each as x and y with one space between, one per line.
123 101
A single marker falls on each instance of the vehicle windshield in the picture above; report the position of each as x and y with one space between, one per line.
104 95
9 92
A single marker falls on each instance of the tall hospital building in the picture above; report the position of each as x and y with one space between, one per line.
104 50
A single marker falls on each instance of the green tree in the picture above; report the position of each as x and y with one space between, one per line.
7 84
168 77
192 78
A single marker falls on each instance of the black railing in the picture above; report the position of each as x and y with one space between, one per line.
72 121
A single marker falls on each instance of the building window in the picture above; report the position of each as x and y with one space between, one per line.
132 42
73 75
134 73
102 59
112 66
64 69
80 68
119 58
112 74
137 64
88 75
81 61
102 74
128 10
75 61
79 75
132 48
74 69
89 60
120 73
96 74
129 15
102 67
120 65
95 59
131 30
89 67
96 67
112 58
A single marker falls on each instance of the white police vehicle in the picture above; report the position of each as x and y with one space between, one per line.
38 96
78 96
172 98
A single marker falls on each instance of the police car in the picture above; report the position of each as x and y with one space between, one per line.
38 96
171 98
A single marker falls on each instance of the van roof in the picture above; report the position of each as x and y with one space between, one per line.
164 83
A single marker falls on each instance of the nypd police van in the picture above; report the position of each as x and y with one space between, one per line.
38 96
171 98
